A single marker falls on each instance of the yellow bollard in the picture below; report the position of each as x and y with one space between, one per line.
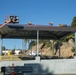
8 53
11 57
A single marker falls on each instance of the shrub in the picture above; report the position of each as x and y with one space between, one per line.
73 49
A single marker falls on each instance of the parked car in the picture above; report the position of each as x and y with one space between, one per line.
33 53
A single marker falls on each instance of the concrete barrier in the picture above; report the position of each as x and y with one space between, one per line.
52 66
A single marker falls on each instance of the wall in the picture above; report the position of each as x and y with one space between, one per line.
53 66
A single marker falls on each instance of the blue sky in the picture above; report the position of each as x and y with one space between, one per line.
38 12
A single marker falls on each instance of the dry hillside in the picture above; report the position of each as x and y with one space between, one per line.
65 50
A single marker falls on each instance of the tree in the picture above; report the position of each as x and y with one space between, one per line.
73 24
13 51
3 48
32 43
25 42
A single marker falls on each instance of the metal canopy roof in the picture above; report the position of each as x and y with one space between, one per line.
30 31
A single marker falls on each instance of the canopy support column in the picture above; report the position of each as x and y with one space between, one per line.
37 57
37 42
75 43
0 45
53 48
31 48
59 47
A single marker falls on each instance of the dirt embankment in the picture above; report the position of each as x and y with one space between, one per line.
65 50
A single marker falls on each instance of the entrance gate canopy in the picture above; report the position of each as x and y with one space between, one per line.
20 31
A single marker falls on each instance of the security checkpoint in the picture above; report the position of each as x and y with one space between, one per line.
38 66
